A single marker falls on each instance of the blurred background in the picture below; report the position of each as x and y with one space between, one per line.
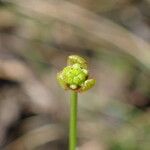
36 36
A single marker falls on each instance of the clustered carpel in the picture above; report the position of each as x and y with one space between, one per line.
75 75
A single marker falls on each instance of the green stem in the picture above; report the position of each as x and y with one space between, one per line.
73 121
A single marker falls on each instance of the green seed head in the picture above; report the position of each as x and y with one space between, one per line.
75 75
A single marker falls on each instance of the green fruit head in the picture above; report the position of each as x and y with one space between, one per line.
75 75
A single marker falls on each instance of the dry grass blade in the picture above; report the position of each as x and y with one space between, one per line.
37 137
98 29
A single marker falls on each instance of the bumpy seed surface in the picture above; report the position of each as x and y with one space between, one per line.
74 75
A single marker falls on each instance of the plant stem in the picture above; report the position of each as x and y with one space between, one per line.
73 121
